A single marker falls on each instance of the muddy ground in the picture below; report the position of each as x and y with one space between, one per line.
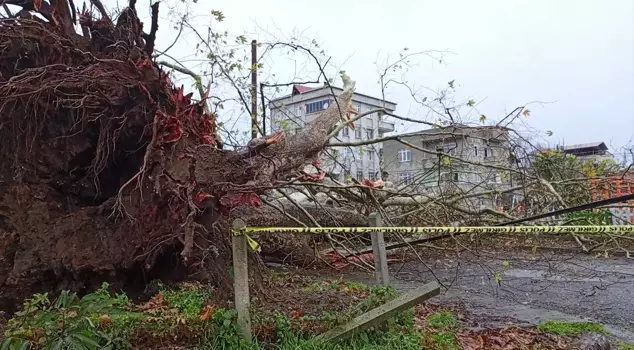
530 288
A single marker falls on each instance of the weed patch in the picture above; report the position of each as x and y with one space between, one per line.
570 328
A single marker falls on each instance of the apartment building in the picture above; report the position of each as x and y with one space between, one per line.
293 112
458 158
593 151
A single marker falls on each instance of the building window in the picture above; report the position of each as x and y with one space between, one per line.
372 175
297 131
405 155
455 176
314 107
475 151
359 175
357 131
449 148
369 133
405 178
346 131
356 107
488 152
370 155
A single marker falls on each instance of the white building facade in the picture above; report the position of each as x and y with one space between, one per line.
293 112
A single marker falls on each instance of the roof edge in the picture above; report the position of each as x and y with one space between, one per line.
328 87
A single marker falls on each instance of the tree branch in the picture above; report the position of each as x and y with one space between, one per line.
151 38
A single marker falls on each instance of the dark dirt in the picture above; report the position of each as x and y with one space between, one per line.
306 296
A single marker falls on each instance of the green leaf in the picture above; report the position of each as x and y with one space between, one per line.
226 323
58 344
451 83
86 340
506 263
364 337
549 133
25 345
218 15
471 103
8 343
498 277
446 160
534 250
483 118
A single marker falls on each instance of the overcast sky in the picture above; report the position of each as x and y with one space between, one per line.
577 56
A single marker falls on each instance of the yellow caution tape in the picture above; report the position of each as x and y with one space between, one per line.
444 230
253 244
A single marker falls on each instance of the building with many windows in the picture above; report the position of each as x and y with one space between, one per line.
456 158
292 113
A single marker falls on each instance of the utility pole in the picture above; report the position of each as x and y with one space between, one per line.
254 89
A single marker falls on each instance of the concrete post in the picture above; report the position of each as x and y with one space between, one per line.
241 278
378 251
380 314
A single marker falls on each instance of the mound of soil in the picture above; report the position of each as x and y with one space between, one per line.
110 172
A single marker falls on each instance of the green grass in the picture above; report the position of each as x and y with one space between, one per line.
341 286
442 327
442 320
101 320
187 300
625 346
570 328
404 338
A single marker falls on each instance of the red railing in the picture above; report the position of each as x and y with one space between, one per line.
614 187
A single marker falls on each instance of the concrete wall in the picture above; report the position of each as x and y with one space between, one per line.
482 146
289 113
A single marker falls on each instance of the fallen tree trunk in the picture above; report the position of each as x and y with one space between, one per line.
289 248
108 171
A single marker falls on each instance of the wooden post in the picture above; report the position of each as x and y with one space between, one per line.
378 251
241 278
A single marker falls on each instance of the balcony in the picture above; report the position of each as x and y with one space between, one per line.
385 127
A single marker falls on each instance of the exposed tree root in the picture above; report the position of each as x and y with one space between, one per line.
91 127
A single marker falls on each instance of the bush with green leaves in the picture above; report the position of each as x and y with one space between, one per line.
70 322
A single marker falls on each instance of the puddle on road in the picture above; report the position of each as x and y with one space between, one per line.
545 276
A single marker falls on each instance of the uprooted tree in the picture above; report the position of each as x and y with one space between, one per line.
108 171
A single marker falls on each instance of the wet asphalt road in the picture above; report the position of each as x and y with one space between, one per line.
530 287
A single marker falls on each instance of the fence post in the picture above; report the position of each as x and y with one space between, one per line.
241 278
378 251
